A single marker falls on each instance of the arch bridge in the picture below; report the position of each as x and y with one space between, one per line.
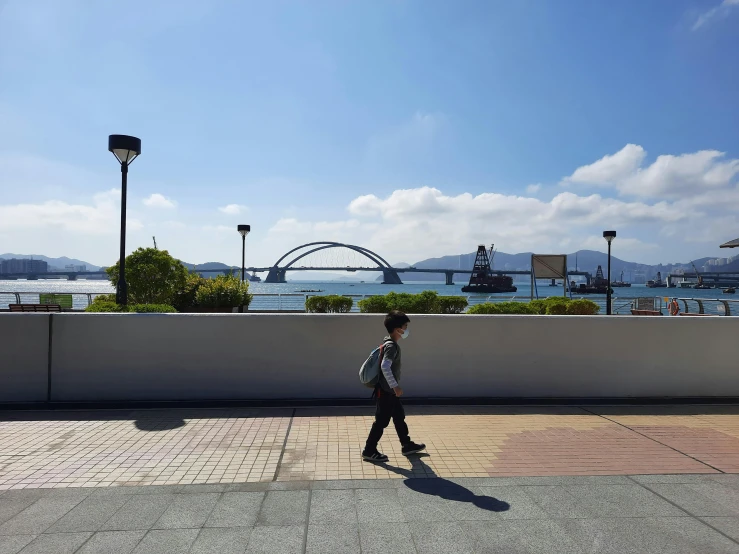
277 273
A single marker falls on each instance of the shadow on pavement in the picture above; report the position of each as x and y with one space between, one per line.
443 488
159 424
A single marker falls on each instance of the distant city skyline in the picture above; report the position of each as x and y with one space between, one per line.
417 129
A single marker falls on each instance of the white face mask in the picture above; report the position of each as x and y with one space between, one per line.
405 333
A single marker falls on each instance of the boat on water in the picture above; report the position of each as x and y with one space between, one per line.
729 290
309 290
483 280
702 286
657 283
599 285
620 283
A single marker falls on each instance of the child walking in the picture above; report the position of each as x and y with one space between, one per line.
388 393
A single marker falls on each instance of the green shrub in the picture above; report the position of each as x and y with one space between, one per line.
112 307
153 276
329 304
185 298
502 308
582 307
452 304
373 305
225 291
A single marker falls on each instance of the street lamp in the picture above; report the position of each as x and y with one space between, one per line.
243 231
126 149
609 236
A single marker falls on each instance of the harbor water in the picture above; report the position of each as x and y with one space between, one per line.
291 295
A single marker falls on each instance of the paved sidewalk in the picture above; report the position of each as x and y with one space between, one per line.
675 514
539 479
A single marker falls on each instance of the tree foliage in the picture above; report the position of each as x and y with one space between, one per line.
153 276
225 291
332 303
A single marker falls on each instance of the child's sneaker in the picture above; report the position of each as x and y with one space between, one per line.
412 448
374 456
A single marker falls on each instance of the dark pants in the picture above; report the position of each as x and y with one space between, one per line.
388 407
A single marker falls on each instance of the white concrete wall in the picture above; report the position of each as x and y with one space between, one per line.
24 357
186 357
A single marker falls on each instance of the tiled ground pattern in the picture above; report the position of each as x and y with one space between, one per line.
166 447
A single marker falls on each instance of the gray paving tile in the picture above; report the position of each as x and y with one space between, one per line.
333 507
379 505
159 489
247 487
332 539
519 504
384 538
13 506
167 541
188 510
27 495
727 525
441 536
284 508
556 501
202 488
104 492
112 542
289 485
56 543
12 544
39 516
88 515
423 507
222 541
701 499
622 501
647 536
276 539
673 479
356 484
236 509
494 537
139 512
543 536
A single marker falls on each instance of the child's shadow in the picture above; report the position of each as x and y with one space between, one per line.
443 488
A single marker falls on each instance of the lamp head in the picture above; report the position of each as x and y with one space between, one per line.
609 236
126 149
244 230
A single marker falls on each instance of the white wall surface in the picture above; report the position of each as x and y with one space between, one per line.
24 357
265 356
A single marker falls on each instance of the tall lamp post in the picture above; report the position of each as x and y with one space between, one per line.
243 231
126 149
609 236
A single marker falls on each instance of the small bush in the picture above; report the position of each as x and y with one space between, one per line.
329 304
452 304
502 308
184 299
225 291
582 307
373 305
112 307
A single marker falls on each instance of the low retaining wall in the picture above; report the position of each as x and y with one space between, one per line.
24 357
129 357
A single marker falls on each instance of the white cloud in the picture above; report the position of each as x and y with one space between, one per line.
722 10
533 190
411 139
669 176
609 169
99 217
233 209
157 200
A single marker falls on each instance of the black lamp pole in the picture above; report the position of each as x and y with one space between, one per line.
126 149
243 230
609 236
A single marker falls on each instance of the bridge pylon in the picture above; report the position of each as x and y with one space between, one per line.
391 277
449 277
275 275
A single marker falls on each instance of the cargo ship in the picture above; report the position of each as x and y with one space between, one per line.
483 279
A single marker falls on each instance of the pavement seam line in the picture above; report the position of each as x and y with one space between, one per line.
697 518
652 439
307 521
284 445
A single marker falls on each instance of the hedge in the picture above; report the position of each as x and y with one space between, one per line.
426 302
556 305
329 304
112 307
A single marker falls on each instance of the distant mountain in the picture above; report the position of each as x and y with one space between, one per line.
53 262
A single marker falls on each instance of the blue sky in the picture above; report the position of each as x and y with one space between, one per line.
415 128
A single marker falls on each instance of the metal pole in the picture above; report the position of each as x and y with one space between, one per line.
121 293
608 291
243 261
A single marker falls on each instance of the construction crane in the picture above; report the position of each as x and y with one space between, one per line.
700 284
155 242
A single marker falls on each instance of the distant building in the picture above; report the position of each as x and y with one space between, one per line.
15 265
75 268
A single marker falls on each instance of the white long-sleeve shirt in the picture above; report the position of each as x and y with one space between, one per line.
387 371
